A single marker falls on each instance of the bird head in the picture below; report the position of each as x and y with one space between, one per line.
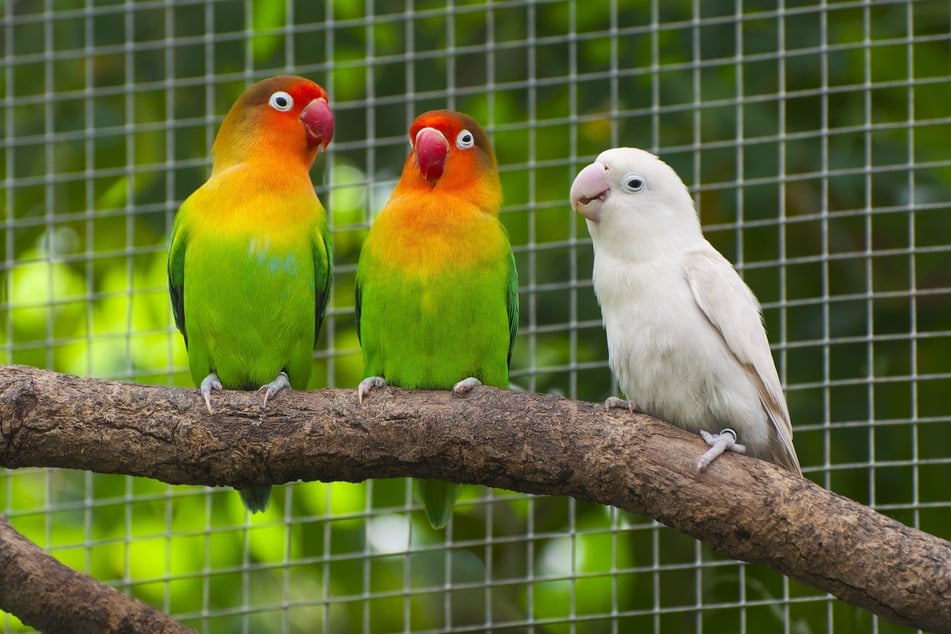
282 117
449 147
632 198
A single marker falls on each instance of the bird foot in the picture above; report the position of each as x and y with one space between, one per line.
724 441
271 389
613 402
209 383
465 386
368 384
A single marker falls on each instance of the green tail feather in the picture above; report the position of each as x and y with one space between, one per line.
256 498
438 498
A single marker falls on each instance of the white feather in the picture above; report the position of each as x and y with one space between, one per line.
685 336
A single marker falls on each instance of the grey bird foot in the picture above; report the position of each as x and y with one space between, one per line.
209 383
613 402
724 441
271 389
465 386
368 384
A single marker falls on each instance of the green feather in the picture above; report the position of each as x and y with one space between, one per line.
423 331
429 334
256 498
436 285
249 304
438 498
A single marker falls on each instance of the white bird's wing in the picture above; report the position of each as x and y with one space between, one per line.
732 309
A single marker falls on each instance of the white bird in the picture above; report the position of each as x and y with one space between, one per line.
685 335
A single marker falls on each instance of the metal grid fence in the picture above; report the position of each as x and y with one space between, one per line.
814 135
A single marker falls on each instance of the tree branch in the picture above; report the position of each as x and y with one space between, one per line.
34 586
744 508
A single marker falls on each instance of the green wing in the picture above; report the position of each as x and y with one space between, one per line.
512 303
323 275
357 300
176 276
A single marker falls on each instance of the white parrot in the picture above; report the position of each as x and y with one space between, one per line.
685 334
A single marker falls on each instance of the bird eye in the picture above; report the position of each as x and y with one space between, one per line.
281 101
465 140
633 183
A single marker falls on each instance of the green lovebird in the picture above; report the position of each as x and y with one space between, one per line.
250 261
436 285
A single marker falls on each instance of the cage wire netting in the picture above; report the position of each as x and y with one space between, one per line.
814 136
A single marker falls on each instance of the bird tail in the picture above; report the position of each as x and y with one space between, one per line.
438 498
256 498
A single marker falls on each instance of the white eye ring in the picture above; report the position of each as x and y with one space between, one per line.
633 183
281 101
465 140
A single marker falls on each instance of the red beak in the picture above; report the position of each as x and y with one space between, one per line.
318 122
432 148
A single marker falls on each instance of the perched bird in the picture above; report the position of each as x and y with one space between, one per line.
436 286
685 335
250 260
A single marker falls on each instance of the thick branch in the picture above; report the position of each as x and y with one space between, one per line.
34 586
744 508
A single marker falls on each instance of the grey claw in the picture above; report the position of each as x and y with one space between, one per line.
465 386
613 402
209 383
724 441
368 384
271 389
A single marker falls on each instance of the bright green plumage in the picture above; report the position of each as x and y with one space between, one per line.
437 289
429 331
250 257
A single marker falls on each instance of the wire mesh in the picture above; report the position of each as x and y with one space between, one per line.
814 136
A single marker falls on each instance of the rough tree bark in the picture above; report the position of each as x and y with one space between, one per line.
744 508
54 598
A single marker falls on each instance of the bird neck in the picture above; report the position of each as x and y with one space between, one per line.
479 187
646 244
272 144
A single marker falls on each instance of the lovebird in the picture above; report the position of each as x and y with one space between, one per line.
685 334
251 258
436 284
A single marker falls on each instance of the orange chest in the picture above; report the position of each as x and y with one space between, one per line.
245 204
432 235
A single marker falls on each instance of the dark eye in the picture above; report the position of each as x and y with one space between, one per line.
633 183
465 140
281 101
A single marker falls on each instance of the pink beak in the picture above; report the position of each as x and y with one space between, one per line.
590 190
318 122
432 148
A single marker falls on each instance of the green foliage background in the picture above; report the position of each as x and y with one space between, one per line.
816 139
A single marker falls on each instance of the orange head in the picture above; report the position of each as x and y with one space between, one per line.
284 118
452 154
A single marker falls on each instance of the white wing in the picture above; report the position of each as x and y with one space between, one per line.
732 309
